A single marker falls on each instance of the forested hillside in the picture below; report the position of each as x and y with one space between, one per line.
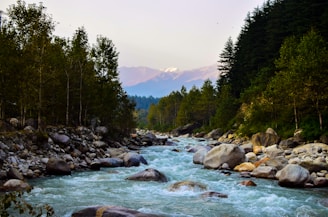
274 75
57 80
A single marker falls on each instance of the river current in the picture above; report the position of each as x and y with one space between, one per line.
108 186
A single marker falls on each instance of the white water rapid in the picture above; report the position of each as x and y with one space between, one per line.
108 186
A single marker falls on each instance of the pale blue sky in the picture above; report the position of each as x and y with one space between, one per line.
186 34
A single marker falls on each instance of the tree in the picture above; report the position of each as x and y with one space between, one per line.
225 62
79 55
33 32
312 65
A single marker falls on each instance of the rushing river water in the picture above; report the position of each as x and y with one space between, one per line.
108 186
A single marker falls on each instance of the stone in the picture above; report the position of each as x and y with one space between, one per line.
57 167
16 185
273 151
13 173
99 144
214 134
199 156
101 130
320 182
293 175
263 139
264 172
246 166
111 162
225 153
110 211
251 157
278 162
187 185
149 174
60 138
133 159
248 183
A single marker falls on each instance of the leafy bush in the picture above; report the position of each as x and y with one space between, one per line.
12 202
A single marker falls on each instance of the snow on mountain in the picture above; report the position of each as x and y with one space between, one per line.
143 81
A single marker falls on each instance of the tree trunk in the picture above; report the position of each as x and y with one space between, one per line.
295 114
40 98
67 98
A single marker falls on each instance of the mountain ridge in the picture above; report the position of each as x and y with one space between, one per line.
145 81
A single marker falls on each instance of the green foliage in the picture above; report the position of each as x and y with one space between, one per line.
62 81
12 202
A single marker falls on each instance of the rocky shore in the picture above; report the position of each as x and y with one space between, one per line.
27 154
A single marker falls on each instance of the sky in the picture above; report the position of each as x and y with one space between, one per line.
184 34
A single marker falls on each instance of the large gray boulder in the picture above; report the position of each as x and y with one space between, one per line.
293 175
225 153
110 211
199 156
57 167
267 172
111 162
133 159
149 174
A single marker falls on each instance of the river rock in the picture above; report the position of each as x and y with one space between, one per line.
111 162
244 167
133 159
186 129
110 211
199 156
57 167
264 172
15 185
214 134
60 138
248 183
277 162
263 140
273 151
251 157
225 153
293 175
187 185
149 174
13 173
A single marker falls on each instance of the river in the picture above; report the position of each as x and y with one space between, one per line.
108 186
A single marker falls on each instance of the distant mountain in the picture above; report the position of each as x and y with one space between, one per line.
143 81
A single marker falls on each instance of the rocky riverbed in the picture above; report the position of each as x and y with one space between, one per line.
27 154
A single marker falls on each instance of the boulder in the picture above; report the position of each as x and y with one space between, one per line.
288 143
133 159
110 211
149 174
244 167
13 173
273 151
251 157
199 156
248 183
60 138
100 144
57 167
263 139
111 162
16 185
187 185
225 153
187 129
101 130
293 175
264 172
214 134
278 162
